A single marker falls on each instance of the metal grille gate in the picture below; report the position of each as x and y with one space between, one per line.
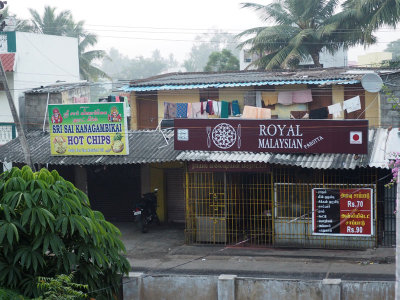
266 209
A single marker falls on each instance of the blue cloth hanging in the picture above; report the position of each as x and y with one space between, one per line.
181 110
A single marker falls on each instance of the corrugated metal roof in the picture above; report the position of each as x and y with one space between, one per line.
58 87
8 60
144 147
151 147
380 143
176 81
235 84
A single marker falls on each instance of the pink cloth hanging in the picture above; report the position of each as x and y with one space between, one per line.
250 112
302 96
263 113
285 98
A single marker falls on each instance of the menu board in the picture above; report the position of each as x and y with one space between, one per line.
346 212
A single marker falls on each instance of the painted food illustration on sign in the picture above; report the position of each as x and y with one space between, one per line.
224 136
117 145
60 144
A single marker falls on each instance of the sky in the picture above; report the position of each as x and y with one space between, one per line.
137 28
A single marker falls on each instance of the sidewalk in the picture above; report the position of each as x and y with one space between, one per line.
162 251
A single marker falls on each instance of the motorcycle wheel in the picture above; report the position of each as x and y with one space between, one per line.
144 223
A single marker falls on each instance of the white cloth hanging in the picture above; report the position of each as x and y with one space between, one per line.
335 110
352 104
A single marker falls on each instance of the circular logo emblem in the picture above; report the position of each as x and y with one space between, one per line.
224 136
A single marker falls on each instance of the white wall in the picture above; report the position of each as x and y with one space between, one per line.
41 60
5 112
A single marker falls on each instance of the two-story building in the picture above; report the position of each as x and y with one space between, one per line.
226 190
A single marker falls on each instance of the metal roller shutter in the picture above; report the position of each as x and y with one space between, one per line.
175 195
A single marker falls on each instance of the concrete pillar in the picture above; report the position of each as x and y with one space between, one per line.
132 286
331 289
226 287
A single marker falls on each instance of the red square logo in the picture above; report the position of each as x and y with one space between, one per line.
355 137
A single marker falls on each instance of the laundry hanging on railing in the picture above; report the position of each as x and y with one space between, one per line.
302 96
270 98
181 110
319 113
352 104
285 98
335 110
169 110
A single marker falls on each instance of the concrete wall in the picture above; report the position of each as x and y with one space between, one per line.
76 95
388 116
139 286
372 104
35 109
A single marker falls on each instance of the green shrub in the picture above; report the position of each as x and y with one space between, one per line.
61 287
47 228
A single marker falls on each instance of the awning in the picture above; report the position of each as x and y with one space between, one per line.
8 60
157 147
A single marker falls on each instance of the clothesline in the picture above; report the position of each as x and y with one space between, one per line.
257 106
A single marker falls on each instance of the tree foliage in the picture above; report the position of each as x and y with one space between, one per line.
222 61
48 228
206 44
120 66
302 29
369 15
61 287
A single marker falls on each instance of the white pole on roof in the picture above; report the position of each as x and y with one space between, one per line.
45 114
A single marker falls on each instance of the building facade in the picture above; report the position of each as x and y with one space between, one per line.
32 60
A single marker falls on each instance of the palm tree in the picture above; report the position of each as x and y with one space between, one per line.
371 14
86 58
302 29
63 24
21 25
50 22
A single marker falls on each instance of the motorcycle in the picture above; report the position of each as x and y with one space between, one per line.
146 210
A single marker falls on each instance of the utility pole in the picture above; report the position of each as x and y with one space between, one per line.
21 133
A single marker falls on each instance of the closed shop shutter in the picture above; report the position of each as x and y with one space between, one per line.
175 195
114 190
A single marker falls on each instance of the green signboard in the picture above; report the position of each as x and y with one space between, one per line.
88 129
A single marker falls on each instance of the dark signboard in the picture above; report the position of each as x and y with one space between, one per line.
280 136
227 167
346 212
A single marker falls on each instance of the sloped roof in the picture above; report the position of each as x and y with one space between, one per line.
8 60
176 81
58 87
144 147
381 143
157 147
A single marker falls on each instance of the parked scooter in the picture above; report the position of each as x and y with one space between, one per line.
146 210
